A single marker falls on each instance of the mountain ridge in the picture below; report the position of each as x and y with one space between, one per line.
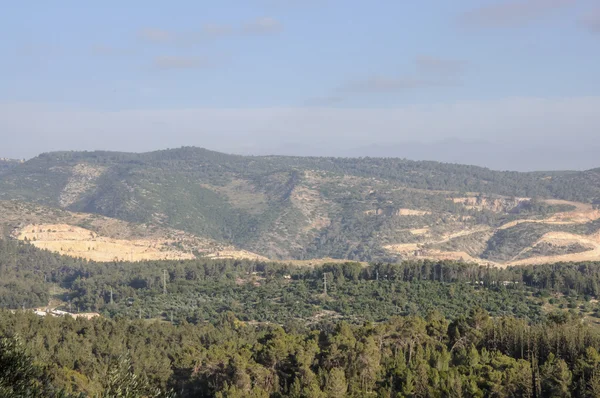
290 207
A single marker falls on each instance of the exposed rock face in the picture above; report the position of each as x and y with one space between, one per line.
82 179
312 206
287 208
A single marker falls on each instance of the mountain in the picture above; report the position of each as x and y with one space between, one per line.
499 156
7 164
309 207
525 156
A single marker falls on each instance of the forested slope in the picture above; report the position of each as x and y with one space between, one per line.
298 208
197 291
239 328
473 356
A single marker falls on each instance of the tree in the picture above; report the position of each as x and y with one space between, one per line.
368 363
556 378
20 377
122 382
336 385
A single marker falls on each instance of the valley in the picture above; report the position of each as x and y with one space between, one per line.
401 200
210 246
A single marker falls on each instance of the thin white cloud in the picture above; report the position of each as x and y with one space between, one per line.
511 13
42 50
177 62
207 31
155 35
592 21
325 101
258 26
263 26
217 30
439 66
292 3
430 72
386 84
109 51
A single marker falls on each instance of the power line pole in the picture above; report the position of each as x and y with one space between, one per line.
164 281
111 296
325 284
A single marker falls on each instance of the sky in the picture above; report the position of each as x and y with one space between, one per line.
508 84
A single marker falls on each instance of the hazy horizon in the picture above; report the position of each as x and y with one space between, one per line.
505 84
483 154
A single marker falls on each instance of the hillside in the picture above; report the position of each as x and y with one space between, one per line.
99 238
184 330
306 208
7 164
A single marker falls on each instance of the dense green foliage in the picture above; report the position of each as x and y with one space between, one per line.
472 356
211 166
23 375
22 269
7 164
411 329
201 290
239 328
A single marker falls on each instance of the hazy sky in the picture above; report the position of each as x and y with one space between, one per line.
300 76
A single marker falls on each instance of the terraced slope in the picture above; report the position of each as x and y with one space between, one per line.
310 208
550 247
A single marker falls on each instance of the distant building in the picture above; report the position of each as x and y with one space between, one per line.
55 312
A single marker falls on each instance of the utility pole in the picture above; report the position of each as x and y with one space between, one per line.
164 281
325 284
111 296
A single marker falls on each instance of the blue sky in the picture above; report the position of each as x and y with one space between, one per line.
259 75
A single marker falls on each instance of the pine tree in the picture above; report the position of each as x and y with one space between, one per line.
336 385
556 378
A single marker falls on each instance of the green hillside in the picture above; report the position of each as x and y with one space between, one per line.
259 329
294 207
7 164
